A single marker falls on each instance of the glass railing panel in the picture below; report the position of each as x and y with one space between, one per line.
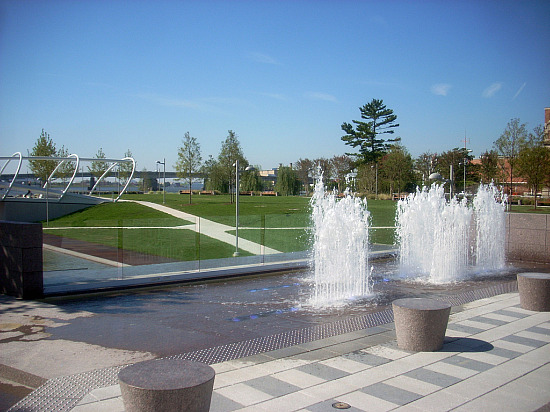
96 251
154 247
80 254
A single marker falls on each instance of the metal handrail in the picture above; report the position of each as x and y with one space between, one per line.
16 173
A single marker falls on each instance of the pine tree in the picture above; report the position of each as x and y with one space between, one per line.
366 135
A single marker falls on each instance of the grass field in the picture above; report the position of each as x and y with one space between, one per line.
530 209
114 214
279 222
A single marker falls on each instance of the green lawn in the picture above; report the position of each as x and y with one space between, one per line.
219 209
530 209
117 214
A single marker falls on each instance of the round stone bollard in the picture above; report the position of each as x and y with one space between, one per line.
420 323
166 385
534 291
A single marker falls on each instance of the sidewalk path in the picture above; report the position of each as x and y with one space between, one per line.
212 229
496 358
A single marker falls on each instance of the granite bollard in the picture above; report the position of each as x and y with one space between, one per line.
420 323
534 291
167 385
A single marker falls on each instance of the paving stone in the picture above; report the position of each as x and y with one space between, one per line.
467 363
322 371
504 353
221 403
463 328
512 313
243 394
490 321
299 378
272 386
451 370
432 377
412 385
365 402
366 358
539 329
345 364
391 393
524 341
327 406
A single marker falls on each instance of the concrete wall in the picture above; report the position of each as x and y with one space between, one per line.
21 259
528 237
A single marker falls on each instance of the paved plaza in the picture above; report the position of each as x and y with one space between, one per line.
496 358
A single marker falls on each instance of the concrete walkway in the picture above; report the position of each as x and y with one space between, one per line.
212 229
496 358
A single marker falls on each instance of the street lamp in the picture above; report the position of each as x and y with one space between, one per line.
237 173
163 163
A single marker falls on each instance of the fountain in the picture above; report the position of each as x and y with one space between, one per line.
340 247
447 241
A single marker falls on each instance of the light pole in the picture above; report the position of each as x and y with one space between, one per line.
237 172
163 163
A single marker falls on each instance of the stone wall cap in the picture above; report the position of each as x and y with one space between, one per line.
534 275
166 374
421 304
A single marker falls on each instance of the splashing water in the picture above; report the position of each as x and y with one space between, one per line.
340 247
446 240
490 219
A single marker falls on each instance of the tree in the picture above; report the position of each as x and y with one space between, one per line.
44 146
189 160
125 169
68 166
251 181
287 182
510 143
537 137
455 158
397 169
366 178
425 165
322 165
213 175
304 171
341 165
366 135
534 165
489 168
98 167
231 152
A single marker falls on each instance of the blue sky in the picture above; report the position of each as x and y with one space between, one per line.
284 75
